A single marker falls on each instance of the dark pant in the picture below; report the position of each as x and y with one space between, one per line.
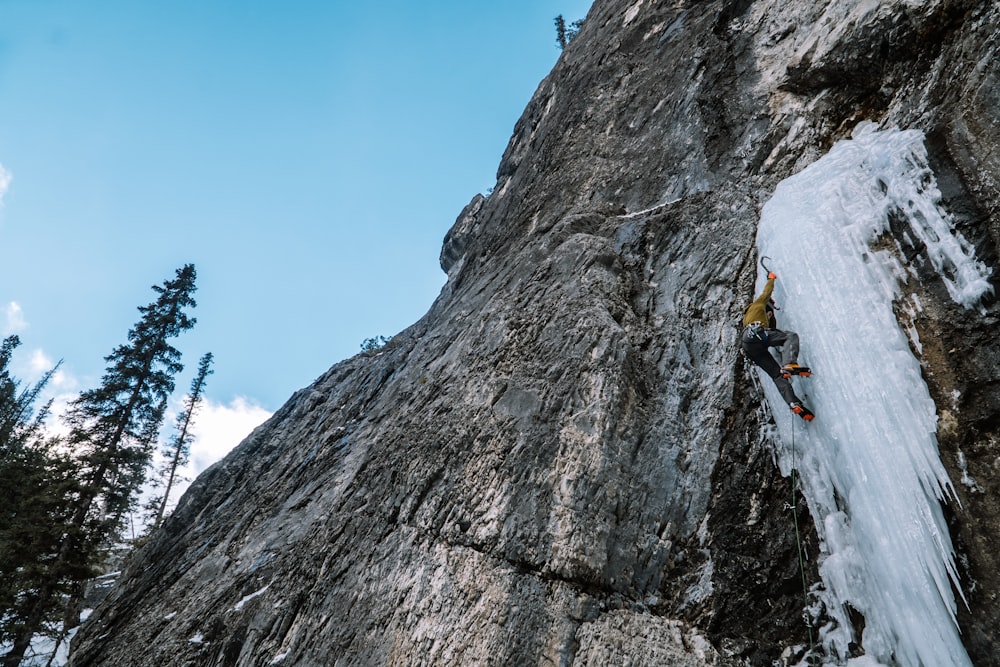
756 341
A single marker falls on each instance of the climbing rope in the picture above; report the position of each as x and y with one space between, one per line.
794 506
798 541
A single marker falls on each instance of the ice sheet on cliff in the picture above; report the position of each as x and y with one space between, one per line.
869 465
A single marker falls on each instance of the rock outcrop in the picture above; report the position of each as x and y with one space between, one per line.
562 462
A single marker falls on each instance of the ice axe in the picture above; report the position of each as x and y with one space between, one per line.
763 257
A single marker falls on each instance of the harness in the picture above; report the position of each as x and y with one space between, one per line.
756 330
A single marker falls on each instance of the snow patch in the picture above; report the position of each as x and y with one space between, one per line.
239 605
869 465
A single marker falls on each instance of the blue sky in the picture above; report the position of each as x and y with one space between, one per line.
308 162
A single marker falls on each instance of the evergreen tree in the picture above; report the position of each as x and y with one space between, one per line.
573 30
564 33
17 423
112 430
37 483
561 40
114 427
178 451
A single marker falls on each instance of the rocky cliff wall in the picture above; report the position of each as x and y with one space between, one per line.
562 462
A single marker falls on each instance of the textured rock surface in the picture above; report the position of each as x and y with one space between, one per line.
561 462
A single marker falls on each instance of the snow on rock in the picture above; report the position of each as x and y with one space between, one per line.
246 598
278 658
869 464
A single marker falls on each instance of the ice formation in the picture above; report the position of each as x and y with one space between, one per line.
869 465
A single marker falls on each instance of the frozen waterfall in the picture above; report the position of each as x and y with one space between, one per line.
869 464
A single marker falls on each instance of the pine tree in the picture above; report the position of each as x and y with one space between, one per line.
561 40
115 426
564 34
17 423
573 30
113 429
179 449
37 482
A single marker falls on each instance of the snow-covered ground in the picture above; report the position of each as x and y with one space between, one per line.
44 650
869 464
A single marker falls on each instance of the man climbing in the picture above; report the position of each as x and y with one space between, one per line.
760 332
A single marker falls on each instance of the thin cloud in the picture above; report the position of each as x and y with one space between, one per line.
218 428
40 363
30 366
13 316
5 179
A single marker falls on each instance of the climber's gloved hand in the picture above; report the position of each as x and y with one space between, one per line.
772 275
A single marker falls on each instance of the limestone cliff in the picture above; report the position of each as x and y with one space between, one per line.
561 463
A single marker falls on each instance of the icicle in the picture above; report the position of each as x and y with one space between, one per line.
869 464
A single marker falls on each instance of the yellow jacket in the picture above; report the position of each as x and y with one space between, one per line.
756 311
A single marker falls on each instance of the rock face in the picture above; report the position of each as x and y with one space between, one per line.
562 462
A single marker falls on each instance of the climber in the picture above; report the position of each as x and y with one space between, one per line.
760 332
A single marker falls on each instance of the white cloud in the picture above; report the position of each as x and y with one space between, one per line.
218 428
57 394
5 179
61 382
29 366
40 363
61 389
13 317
